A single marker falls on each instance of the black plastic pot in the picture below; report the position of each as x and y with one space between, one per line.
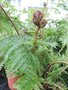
3 80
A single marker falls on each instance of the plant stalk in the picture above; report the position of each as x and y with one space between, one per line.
35 41
9 19
48 67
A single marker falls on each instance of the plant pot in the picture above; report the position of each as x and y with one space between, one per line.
11 82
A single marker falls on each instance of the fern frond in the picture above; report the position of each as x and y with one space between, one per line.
19 59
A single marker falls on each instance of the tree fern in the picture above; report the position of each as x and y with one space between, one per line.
45 65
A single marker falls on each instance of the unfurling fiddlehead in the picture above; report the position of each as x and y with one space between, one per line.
40 22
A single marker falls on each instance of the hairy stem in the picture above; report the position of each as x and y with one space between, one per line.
35 41
9 19
36 33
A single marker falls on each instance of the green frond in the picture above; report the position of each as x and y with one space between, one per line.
19 59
